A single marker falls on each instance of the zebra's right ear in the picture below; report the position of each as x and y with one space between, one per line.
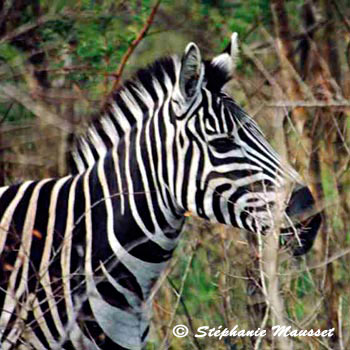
191 72
221 68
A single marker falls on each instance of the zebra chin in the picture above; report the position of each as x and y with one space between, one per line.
301 235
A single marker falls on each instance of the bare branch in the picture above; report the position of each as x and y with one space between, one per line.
131 49
293 104
28 27
38 108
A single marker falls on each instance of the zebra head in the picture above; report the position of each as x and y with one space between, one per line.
190 147
226 170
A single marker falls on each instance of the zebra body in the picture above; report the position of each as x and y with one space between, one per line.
68 247
80 255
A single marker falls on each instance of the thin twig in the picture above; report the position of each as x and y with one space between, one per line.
332 103
328 261
6 113
188 316
131 49
340 323
38 108
341 15
262 326
178 293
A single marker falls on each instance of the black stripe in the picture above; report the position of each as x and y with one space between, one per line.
216 201
39 234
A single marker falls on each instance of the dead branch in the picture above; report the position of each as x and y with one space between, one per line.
310 104
38 108
340 12
28 27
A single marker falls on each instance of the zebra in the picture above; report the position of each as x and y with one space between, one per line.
82 254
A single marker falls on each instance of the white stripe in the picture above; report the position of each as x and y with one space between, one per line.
48 249
7 216
96 140
109 129
3 189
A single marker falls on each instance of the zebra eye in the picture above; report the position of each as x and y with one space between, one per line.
223 144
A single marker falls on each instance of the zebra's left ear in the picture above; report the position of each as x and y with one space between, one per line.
221 68
191 72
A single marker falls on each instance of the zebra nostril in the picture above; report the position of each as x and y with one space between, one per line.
300 202
302 212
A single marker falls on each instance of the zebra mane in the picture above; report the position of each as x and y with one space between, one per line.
129 104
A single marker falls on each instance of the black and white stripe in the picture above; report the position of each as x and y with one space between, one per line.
80 255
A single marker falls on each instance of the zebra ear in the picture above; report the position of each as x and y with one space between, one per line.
222 67
191 72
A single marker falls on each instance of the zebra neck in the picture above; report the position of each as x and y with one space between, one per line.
139 200
141 231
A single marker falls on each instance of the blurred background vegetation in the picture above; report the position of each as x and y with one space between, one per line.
59 60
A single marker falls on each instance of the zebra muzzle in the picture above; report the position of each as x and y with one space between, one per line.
306 220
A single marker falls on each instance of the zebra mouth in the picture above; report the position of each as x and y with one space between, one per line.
301 210
301 236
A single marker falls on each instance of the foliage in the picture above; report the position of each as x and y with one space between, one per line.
68 63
